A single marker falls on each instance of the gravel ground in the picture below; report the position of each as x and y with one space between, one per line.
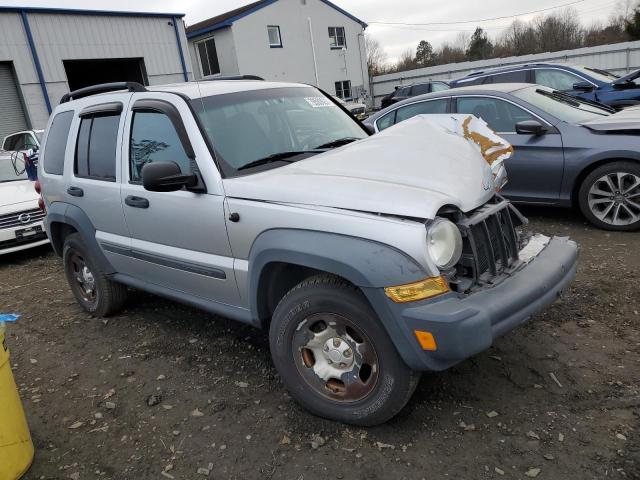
165 391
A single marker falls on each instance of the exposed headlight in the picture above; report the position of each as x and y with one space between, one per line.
444 243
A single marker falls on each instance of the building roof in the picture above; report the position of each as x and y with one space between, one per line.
79 11
227 19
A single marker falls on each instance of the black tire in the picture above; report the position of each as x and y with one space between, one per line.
326 295
625 221
106 297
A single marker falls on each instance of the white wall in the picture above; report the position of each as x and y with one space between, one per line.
619 58
294 62
225 49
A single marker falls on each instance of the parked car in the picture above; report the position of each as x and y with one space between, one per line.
358 110
25 140
579 81
21 219
404 92
568 151
368 259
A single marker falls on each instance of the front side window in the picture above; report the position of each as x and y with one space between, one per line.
337 38
154 139
275 41
56 145
208 57
556 79
343 89
96 147
500 115
256 130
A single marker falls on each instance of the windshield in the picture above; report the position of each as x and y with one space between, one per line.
10 172
272 127
562 106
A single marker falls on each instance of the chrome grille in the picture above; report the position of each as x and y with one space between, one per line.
21 219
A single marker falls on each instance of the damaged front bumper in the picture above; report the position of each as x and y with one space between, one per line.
464 325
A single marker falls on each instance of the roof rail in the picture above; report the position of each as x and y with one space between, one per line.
101 88
232 77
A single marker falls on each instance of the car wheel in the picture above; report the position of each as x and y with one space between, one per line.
92 289
335 357
610 196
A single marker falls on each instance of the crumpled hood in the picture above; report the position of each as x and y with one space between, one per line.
16 196
627 119
411 169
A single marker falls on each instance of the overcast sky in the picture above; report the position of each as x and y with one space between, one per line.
394 39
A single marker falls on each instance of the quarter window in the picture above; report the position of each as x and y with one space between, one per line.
96 147
275 41
208 57
154 139
501 116
337 38
56 145
556 79
343 89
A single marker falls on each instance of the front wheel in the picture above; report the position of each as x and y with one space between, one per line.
335 357
610 196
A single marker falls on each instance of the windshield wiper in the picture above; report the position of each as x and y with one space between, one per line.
277 157
338 143
575 102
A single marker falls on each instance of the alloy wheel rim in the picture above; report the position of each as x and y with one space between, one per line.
335 357
85 282
614 198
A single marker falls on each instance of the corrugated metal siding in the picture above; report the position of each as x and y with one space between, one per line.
12 118
619 58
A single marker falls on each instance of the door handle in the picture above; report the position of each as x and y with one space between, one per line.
136 202
75 191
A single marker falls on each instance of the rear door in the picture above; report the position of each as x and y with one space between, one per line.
178 239
535 170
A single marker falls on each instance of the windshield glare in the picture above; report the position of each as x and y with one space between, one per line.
9 173
571 110
247 126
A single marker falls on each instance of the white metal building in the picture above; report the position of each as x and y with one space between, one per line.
46 52
306 41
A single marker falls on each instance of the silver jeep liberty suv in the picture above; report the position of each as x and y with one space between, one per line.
368 258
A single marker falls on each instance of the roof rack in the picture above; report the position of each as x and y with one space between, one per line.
101 88
232 77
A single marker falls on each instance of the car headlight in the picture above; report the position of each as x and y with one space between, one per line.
444 243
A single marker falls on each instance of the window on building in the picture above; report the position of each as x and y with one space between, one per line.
208 57
154 139
337 38
275 40
96 147
56 146
343 89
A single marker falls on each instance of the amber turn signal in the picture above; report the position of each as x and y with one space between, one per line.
426 340
412 292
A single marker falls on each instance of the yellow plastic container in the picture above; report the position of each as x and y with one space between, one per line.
16 447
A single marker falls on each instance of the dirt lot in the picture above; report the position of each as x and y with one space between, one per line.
87 384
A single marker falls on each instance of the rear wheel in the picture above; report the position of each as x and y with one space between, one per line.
610 196
334 356
92 289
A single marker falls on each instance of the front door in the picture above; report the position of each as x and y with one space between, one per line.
178 239
535 170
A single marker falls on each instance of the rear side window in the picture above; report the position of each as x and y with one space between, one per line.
519 76
439 87
96 147
420 89
433 106
56 146
154 139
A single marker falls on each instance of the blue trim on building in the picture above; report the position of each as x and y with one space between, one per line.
344 12
36 60
79 11
185 74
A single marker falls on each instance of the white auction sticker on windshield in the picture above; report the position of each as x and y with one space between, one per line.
319 102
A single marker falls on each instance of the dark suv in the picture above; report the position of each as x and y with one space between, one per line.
584 82
404 92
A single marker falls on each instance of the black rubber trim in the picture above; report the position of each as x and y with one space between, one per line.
165 262
110 108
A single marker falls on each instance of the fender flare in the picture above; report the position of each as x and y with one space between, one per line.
67 214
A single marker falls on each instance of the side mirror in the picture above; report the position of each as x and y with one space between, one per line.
530 127
583 87
166 177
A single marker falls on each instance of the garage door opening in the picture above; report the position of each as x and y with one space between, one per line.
84 73
13 118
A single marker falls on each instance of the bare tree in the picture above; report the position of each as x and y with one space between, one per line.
407 61
376 56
